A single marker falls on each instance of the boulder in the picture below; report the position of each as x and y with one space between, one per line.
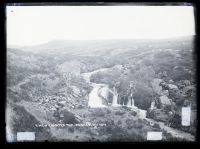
164 86
159 115
164 100
172 86
186 82
180 85
189 89
165 92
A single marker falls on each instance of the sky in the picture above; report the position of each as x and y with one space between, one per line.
32 25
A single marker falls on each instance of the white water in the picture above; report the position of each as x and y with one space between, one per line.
114 103
104 92
130 103
152 105
94 100
115 97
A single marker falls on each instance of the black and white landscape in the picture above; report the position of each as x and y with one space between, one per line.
124 90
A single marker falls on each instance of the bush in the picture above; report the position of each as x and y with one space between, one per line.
156 126
143 96
98 112
69 118
133 113
130 123
120 112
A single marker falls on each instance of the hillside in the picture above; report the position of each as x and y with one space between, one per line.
139 85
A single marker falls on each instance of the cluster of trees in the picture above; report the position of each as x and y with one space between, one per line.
161 64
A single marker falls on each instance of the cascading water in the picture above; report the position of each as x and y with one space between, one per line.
152 105
99 93
114 103
115 97
94 100
131 102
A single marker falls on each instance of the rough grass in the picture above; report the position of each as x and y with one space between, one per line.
25 122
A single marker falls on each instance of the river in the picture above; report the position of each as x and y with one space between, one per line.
95 101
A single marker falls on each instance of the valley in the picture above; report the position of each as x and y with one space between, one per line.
131 87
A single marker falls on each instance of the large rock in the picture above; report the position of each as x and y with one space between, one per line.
165 92
186 82
172 86
164 100
171 81
159 115
189 90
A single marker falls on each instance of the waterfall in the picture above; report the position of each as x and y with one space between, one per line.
114 103
94 100
142 113
115 97
130 102
152 105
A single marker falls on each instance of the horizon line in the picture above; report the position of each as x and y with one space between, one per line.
53 40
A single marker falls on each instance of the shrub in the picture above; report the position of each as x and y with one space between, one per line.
120 112
133 113
69 118
98 112
156 126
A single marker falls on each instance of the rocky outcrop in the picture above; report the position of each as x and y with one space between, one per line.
164 100
158 115
172 86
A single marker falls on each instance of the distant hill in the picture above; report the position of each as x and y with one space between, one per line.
88 46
